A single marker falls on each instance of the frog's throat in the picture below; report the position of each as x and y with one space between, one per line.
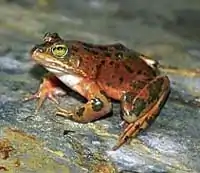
69 79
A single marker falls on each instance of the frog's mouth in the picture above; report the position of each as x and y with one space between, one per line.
52 64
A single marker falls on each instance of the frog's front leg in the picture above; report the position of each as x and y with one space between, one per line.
98 104
48 89
141 110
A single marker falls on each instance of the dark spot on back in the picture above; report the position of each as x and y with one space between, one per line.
111 62
139 72
128 68
117 65
103 62
108 83
98 66
121 79
144 73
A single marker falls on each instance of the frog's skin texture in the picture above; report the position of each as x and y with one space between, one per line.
100 72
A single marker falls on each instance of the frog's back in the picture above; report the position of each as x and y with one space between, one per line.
114 67
127 74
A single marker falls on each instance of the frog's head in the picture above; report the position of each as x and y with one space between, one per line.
54 55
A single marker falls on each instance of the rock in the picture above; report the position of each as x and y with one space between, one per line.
171 144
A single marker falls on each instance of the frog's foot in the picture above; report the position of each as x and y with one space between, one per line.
48 89
140 111
95 108
134 128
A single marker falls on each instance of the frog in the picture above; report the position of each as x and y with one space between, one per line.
101 73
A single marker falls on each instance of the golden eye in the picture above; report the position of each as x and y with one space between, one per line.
60 50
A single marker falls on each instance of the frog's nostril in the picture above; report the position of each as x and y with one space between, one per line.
41 50
38 49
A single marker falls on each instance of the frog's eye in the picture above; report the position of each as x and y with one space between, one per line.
60 51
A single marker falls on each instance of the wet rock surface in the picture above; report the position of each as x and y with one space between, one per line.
165 30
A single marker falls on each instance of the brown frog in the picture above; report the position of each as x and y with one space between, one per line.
100 72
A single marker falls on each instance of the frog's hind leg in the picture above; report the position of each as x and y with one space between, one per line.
94 109
141 111
98 105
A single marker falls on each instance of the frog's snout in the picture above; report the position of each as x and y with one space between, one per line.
37 48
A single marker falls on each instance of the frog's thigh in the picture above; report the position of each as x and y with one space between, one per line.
97 107
140 111
154 93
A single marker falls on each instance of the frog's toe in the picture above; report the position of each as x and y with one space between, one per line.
125 136
52 98
64 112
48 89
30 97
41 99
41 95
